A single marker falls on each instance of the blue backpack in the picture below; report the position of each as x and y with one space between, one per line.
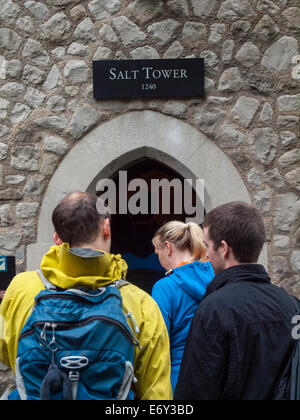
76 345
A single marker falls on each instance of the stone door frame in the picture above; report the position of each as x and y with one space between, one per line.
123 140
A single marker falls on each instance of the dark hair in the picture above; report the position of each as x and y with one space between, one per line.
241 226
76 219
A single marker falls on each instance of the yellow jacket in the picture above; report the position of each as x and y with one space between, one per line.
66 270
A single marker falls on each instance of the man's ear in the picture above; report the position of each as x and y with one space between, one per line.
105 228
225 249
57 239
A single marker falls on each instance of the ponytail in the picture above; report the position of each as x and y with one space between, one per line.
185 236
198 248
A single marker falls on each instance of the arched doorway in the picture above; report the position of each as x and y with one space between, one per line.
132 233
124 140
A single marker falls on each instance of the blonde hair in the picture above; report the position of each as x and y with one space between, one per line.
185 236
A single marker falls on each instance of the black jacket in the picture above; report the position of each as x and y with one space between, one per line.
240 339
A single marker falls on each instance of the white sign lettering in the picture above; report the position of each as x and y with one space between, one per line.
123 75
147 73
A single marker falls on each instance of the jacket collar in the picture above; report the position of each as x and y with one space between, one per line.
76 267
237 273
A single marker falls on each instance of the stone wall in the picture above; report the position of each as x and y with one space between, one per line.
251 111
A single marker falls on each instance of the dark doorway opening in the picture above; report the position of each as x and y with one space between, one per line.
132 234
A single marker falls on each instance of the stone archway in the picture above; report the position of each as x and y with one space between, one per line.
124 139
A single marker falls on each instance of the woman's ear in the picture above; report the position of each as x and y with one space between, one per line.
169 248
57 239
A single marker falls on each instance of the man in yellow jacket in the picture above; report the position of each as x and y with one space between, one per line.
78 225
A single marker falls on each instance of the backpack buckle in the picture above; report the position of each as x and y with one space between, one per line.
74 376
74 379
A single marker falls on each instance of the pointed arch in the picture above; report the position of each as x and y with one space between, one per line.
125 139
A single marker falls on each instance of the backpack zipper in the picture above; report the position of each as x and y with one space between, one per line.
71 325
68 297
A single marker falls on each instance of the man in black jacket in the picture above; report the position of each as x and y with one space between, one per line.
241 336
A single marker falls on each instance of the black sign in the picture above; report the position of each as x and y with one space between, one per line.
7 271
148 78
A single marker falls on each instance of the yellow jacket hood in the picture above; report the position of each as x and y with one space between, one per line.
78 267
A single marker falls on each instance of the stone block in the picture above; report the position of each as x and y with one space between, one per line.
278 56
25 24
9 241
289 103
39 10
20 113
34 97
266 29
293 178
76 72
35 186
178 7
144 10
129 32
84 119
56 145
86 31
57 123
194 33
244 110
248 55
53 80
287 211
261 83
289 158
11 90
25 158
204 8
231 81
236 9
6 216
8 11
32 75
102 9
34 51
3 151
209 121
264 142
57 28
146 52
295 260
163 32
229 137
10 42
26 210
10 194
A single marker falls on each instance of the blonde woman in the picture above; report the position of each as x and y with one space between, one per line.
182 253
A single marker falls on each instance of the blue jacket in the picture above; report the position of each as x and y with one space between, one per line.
178 296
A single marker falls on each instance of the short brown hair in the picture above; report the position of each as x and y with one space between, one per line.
76 219
241 226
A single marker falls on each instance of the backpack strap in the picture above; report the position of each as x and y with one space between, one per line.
47 284
119 283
